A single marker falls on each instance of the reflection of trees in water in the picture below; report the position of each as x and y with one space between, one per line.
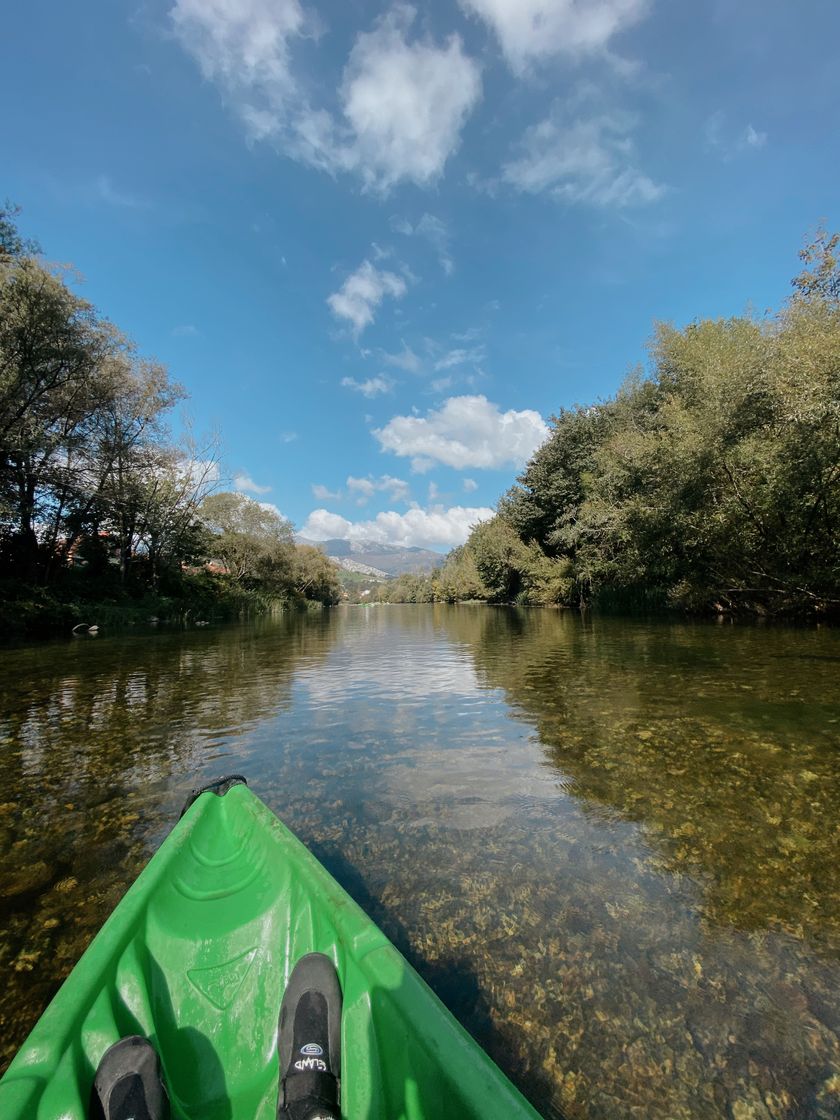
722 744
641 945
102 740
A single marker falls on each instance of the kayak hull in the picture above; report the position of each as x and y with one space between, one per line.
196 958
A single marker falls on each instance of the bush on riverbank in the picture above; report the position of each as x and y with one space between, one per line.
33 610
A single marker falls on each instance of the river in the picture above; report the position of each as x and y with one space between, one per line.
610 846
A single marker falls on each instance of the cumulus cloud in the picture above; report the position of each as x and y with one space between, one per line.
433 230
530 30
586 159
362 292
466 431
403 101
397 489
470 485
406 102
435 528
244 483
372 387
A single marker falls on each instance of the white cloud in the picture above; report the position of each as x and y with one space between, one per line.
753 138
199 472
466 431
726 140
538 29
403 103
362 292
434 231
583 159
406 102
406 359
288 437
270 507
245 46
372 387
324 494
397 489
460 357
470 485
107 192
244 483
436 528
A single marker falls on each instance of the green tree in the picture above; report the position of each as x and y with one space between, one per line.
52 348
315 576
12 243
458 579
500 557
255 544
821 276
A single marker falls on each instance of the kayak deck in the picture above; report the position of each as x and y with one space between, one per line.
196 957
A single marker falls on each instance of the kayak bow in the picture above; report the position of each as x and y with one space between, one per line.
196 958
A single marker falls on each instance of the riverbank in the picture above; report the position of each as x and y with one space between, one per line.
30 611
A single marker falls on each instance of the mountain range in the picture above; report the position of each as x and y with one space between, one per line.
372 559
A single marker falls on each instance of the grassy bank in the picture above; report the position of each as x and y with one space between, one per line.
27 610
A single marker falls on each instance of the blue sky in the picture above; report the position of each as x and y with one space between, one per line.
380 244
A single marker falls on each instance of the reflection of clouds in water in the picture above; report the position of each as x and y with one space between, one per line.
473 788
416 667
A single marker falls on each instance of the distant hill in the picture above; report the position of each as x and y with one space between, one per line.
386 559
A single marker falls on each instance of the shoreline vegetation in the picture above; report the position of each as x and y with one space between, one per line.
105 515
709 484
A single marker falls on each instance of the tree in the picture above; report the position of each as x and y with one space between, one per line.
52 346
12 244
255 544
821 276
129 461
500 556
458 579
315 576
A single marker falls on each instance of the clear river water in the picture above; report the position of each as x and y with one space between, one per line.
611 846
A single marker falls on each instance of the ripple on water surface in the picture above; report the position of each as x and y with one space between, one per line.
610 846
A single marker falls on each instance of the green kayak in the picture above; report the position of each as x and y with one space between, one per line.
196 958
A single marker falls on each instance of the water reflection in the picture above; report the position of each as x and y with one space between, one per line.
610 846
101 740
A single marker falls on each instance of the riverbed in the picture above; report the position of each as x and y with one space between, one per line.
611 846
